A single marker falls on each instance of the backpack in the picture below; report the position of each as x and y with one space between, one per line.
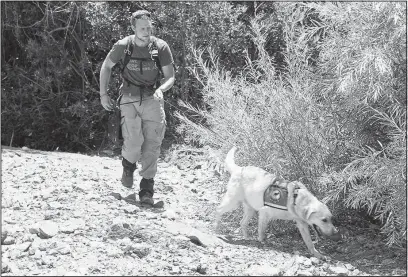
154 55
114 119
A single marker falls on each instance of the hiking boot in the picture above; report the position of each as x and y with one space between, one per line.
146 191
127 175
147 199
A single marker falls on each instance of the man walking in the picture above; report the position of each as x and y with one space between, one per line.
141 101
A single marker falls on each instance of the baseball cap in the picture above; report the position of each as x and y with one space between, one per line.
140 13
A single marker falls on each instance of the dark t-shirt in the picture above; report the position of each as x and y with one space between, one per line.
140 72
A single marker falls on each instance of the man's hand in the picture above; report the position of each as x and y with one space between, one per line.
107 102
158 94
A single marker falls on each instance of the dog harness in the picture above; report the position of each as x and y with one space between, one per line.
276 195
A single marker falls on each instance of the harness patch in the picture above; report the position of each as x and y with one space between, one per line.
276 197
140 66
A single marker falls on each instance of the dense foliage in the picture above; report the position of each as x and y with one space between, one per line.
313 91
52 53
335 117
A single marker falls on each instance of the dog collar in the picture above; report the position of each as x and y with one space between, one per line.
295 194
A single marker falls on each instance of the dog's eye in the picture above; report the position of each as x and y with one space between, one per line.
324 219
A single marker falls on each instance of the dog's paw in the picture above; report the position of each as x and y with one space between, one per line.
261 240
260 243
261 237
321 257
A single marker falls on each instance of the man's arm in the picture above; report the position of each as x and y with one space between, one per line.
104 78
168 72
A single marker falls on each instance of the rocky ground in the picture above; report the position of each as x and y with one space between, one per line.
61 215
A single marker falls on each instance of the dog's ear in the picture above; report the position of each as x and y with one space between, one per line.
308 211
305 203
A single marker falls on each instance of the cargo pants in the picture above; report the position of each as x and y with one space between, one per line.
143 128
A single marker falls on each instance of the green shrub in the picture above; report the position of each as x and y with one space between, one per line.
362 69
48 101
376 182
336 119
274 121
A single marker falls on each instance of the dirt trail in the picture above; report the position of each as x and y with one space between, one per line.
59 217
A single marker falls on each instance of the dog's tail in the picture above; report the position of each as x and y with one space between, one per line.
229 160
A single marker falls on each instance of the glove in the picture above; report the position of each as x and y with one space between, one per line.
158 94
107 102
115 127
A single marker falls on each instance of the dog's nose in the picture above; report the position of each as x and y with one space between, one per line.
336 236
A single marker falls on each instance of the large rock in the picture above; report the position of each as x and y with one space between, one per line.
140 249
339 270
194 234
71 225
4 268
47 229
4 235
8 241
120 230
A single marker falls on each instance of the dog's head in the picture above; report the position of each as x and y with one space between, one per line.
315 213
319 216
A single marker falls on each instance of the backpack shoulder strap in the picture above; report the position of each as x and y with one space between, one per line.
154 53
128 53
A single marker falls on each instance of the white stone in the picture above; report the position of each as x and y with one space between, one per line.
170 214
47 229
263 270
338 269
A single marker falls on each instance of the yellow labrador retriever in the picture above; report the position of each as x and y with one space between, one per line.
247 185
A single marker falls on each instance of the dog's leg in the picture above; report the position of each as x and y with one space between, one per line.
263 221
248 214
227 204
304 231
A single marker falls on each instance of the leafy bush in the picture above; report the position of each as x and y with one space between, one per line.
363 62
335 119
47 99
274 121
376 182
311 91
